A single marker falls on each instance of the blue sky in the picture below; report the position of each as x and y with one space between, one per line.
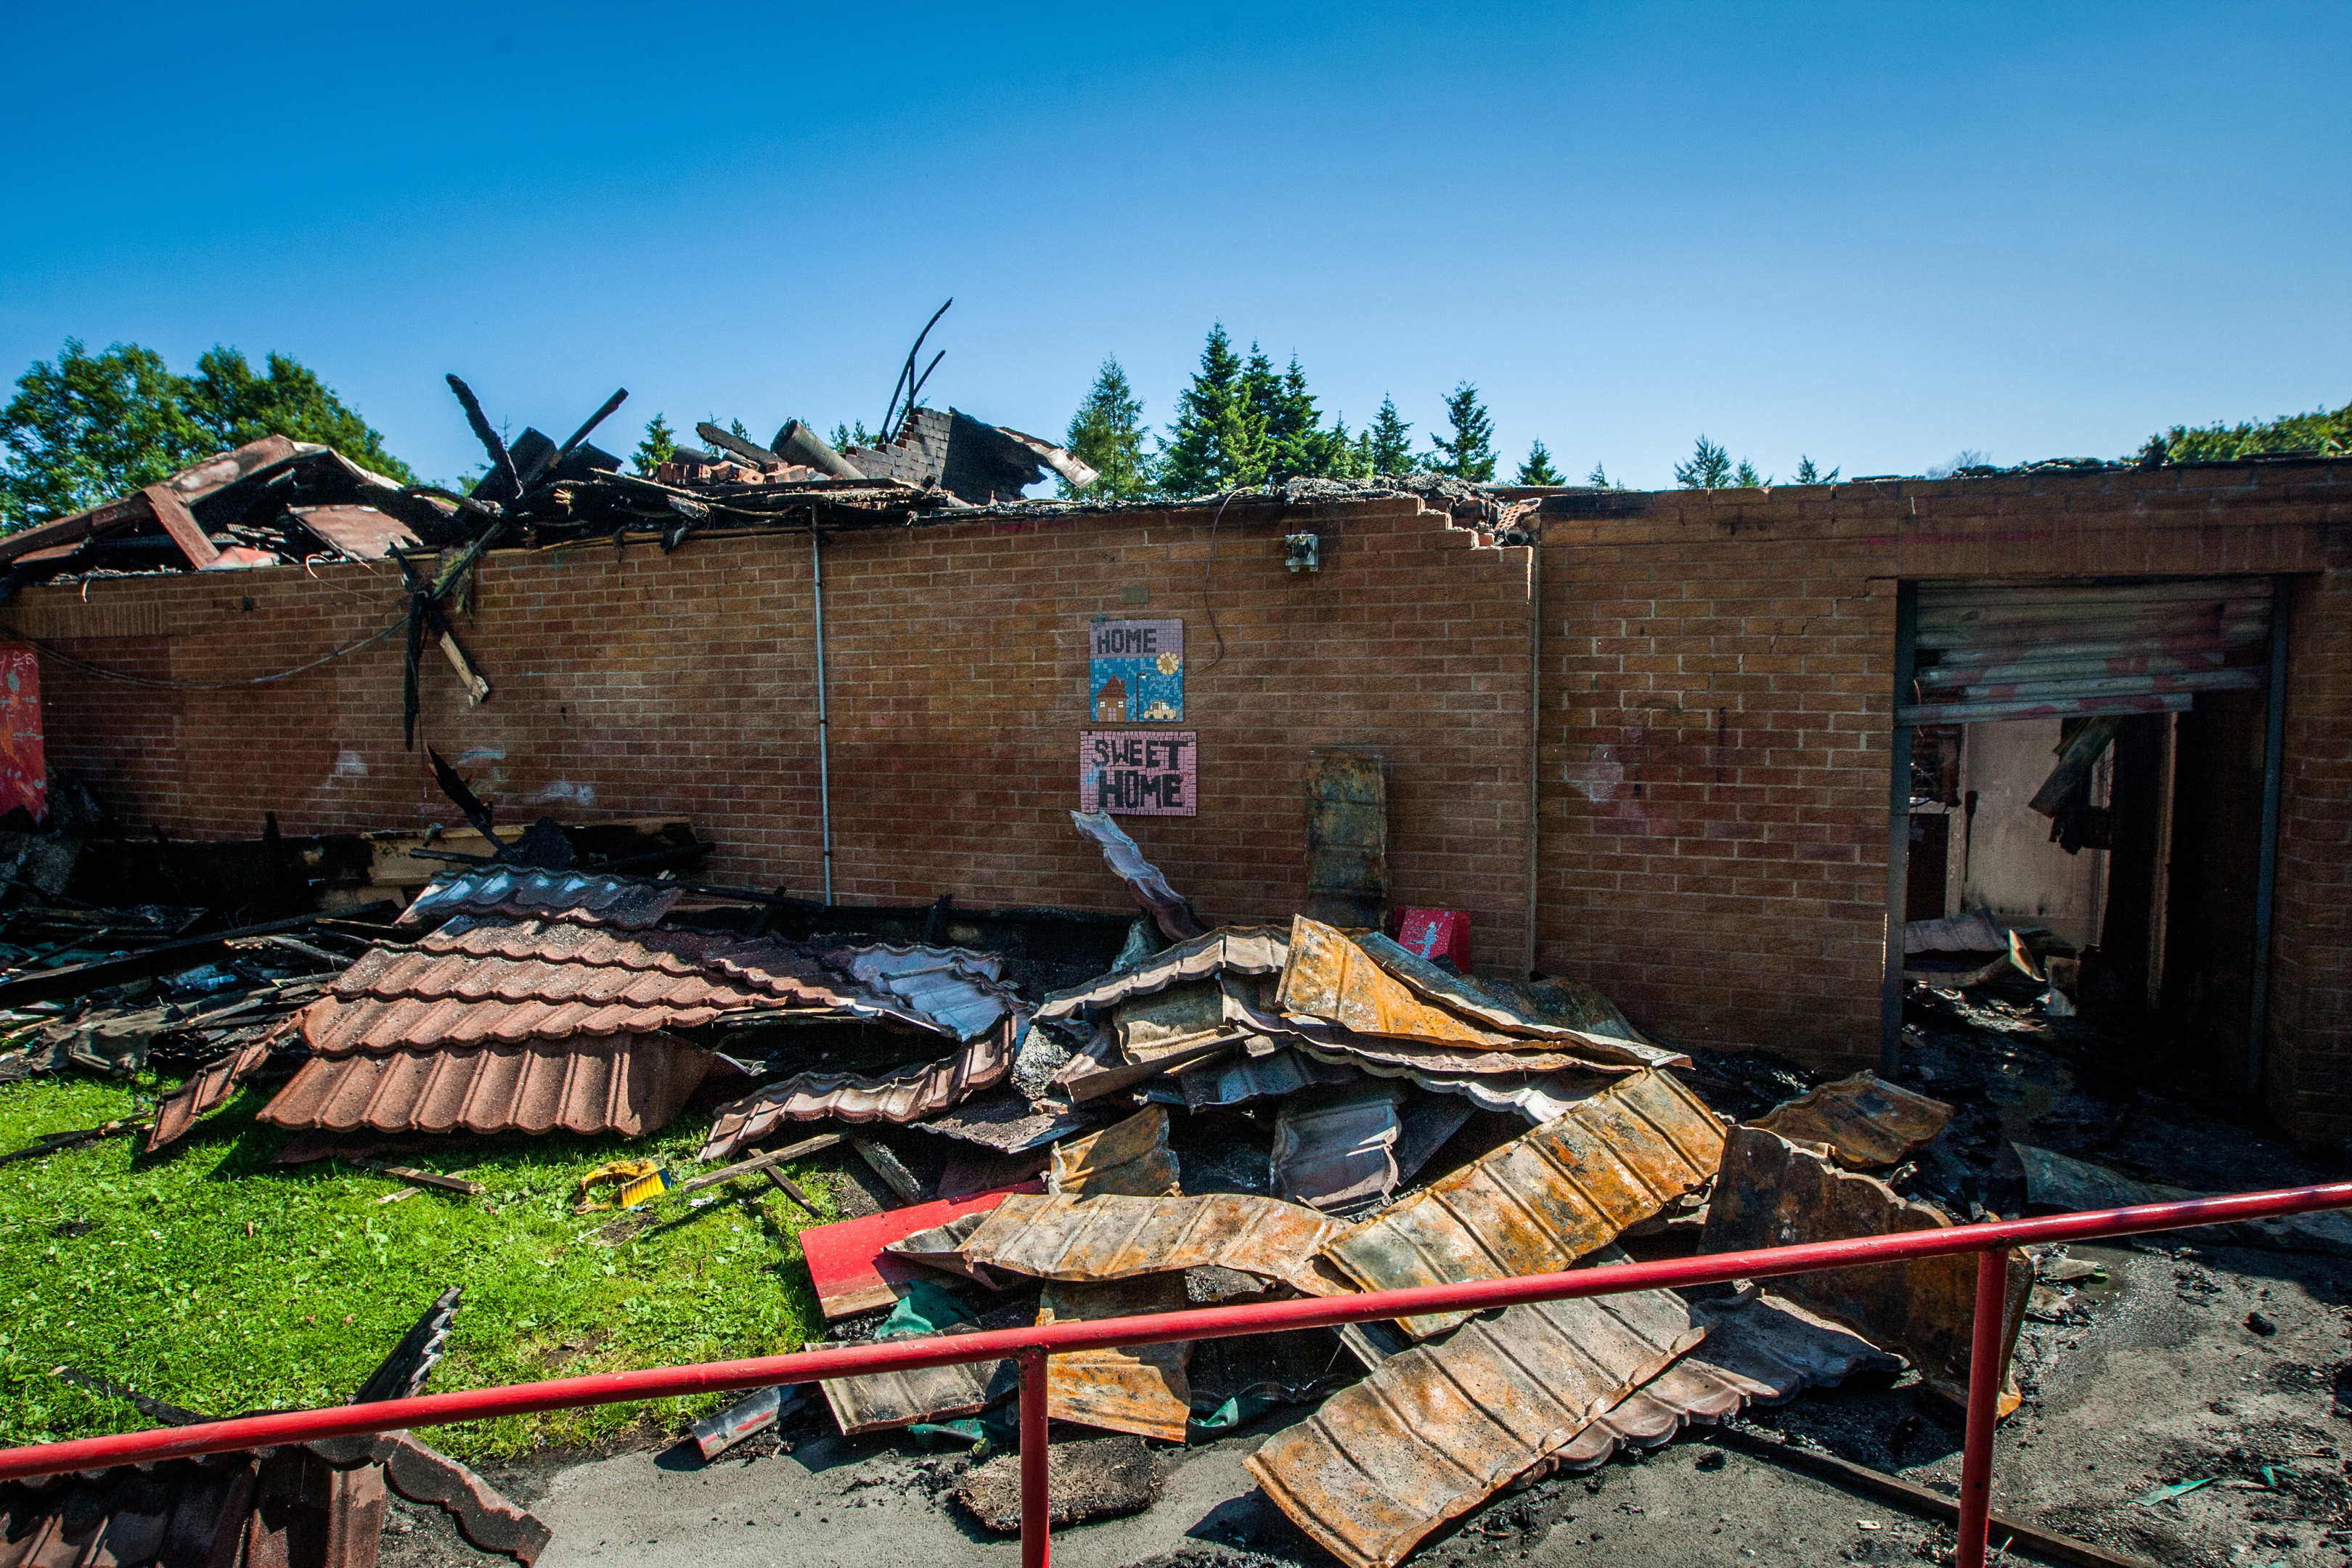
1876 234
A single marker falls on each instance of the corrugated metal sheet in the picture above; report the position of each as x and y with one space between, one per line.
778 969
1169 912
1249 1078
1538 1097
1336 1148
1759 1350
877 1402
1116 1237
1131 1158
211 1086
1239 950
1410 1058
1433 1432
849 1260
1865 1120
1772 1194
619 1083
1329 980
1141 1389
902 1096
1497 1008
954 988
627 902
1542 1201
2003 650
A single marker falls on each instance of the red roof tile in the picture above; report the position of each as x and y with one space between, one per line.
632 1084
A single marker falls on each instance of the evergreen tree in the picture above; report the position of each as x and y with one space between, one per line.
659 445
1709 470
1599 480
1538 469
844 437
1298 444
1219 441
89 427
1745 476
1807 474
1469 453
2321 430
1107 434
1385 448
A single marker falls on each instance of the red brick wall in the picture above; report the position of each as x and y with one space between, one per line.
1716 714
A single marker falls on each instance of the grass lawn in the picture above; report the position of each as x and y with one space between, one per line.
218 1280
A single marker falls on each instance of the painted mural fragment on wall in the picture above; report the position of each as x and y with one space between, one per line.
1138 773
24 768
1135 672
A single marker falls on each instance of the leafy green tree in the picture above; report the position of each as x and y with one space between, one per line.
1385 448
91 427
1219 441
1709 470
2318 431
1538 469
1107 434
1808 474
1469 452
659 445
232 405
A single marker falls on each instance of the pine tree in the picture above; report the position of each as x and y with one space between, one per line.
659 445
844 437
1709 470
1300 448
1538 469
1745 476
1469 453
1599 480
1219 441
1807 474
1385 448
1107 434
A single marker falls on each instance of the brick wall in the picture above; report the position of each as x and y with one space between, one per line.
1715 721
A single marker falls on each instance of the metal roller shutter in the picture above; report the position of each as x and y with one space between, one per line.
1993 650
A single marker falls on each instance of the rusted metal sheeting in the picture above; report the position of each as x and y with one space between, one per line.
362 533
1336 1148
1169 911
391 1000
211 1086
1004 1120
626 902
1181 1016
1865 1120
1328 979
632 1084
877 1402
1538 1097
1499 1008
1141 1389
953 986
1238 949
778 969
1543 1201
1249 1078
902 1096
1117 1238
1411 1059
1772 1194
1434 1431
1759 1350
1132 1157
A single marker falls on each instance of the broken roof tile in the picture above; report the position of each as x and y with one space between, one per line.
1498 1007
952 988
1236 950
1334 1149
1141 1389
630 903
902 1096
1537 1204
629 1083
1131 1157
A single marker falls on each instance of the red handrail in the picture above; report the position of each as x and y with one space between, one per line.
1030 1346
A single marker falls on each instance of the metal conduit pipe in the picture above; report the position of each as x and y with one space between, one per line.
823 768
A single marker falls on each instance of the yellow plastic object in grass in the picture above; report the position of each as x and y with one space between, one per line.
652 1184
626 1173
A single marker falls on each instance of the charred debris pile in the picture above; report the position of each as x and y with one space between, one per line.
1033 1115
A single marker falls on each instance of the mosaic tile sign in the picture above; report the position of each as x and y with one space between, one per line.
23 772
1138 773
1135 672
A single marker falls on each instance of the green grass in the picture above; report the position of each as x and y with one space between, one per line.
220 1281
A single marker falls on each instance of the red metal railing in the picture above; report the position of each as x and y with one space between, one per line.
1030 1347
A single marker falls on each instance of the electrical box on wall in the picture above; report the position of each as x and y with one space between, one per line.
1302 552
